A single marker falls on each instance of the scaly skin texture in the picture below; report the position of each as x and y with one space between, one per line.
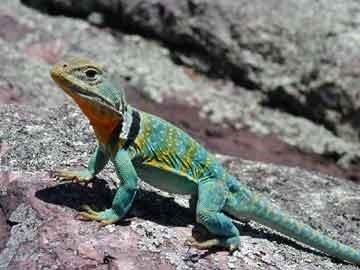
142 144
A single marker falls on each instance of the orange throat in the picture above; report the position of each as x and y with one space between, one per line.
103 120
103 133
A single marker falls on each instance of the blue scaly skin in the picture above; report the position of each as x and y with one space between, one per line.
141 144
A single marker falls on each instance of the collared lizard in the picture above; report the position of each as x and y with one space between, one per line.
141 144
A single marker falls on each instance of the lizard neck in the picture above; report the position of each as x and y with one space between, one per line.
103 121
103 133
122 133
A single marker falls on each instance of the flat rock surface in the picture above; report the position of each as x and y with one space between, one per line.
43 231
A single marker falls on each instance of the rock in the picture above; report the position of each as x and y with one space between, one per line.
4 231
303 54
294 75
45 231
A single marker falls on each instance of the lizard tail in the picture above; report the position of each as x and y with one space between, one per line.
261 211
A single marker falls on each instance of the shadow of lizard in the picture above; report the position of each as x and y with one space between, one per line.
168 212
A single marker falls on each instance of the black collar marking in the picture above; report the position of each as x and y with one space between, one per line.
133 132
134 129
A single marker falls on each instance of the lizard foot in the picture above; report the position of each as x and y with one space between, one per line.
106 217
231 243
82 176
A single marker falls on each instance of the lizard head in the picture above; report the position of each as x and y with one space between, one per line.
88 84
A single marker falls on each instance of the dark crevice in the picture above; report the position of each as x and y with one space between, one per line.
354 178
71 8
11 223
213 66
322 104
332 156
4 228
280 99
216 65
312 109
354 119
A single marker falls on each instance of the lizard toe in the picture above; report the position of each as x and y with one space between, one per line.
75 176
231 243
87 216
204 244
106 217
87 208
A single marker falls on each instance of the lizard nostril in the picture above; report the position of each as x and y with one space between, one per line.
64 65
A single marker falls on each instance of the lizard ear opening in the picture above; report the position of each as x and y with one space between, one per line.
117 83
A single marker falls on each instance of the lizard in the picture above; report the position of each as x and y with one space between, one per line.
143 146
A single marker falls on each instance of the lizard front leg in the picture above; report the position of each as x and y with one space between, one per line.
96 163
124 196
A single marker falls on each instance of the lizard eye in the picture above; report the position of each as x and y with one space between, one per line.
91 73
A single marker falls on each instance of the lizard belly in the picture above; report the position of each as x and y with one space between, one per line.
166 179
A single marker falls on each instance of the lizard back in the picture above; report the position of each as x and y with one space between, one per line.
161 145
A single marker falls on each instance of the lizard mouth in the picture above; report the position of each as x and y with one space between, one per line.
77 92
92 96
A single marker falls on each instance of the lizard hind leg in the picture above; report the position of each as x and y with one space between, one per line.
211 200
